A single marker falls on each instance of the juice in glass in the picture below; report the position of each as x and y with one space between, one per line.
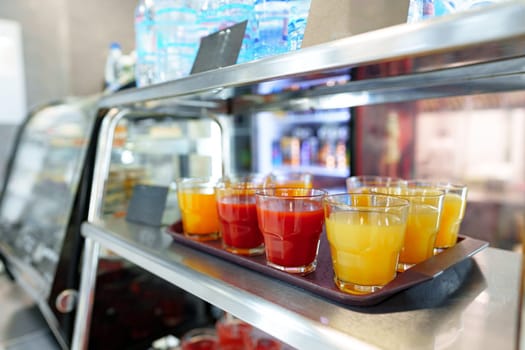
256 339
200 339
365 240
237 214
198 208
238 221
232 332
361 183
452 214
291 221
421 232
424 215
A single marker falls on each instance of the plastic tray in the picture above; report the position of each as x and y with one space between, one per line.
321 281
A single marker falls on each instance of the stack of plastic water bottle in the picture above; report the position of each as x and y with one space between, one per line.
168 32
422 9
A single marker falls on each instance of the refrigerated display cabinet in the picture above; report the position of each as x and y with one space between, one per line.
41 208
44 200
407 85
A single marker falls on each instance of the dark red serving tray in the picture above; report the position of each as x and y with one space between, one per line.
321 280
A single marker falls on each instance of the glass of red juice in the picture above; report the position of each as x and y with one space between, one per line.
291 221
232 332
256 339
235 199
200 339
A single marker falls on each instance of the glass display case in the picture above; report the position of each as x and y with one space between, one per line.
419 97
39 198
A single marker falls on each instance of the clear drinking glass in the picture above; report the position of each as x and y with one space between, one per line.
232 332
198 207
366 234
291 221
454 205
238 215
200 339
424 215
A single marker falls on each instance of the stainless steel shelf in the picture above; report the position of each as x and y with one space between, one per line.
471 305
468 305
491 34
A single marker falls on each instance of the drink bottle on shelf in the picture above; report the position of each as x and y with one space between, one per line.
177 37
145 43
271 18
298 17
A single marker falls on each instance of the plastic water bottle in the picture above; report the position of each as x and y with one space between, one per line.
177 37
216 15
111 69
272 27
297 22
209 20
145 43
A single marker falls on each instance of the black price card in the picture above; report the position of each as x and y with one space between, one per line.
147 205
219 49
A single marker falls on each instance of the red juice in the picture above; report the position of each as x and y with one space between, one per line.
238 220
201 344
232 334
292 237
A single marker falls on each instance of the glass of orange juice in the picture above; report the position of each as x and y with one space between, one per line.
289 179
366 232
454 205
197 203
424 215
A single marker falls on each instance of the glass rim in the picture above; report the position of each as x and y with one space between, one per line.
249 181
440 183
360 181
399 202
413 192
270 192
373 177
196 180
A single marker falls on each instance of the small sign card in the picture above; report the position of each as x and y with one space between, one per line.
147 205
219 49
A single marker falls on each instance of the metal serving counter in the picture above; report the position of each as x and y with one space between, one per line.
473 305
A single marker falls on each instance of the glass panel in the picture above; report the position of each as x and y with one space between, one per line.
478 140
157 151
42 184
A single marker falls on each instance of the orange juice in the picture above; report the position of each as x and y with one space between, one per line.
199 213
452 214
365 246
422 227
